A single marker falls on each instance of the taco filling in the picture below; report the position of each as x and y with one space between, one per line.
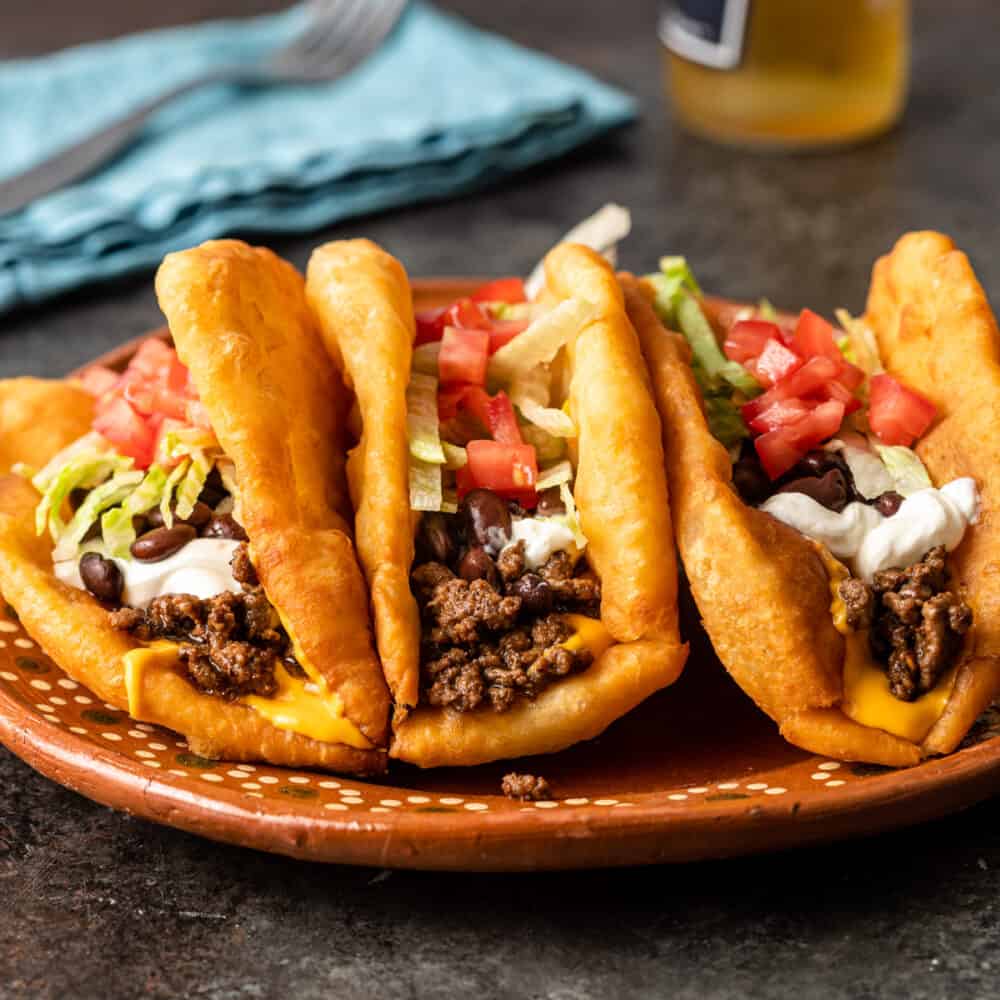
508 604
143 512
822 439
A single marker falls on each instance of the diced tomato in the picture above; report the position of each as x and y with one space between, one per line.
897 414
152 357
780 414
775 363
466 315
503 331
126 430
851 376
802 383
502 422
502 290
508 469
464 356
748 338
814 337
97 380
430 326
836 391
777 452
781 448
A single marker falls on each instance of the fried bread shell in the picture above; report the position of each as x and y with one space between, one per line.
357 292
936 331
760 586
240 322
361 297
74 631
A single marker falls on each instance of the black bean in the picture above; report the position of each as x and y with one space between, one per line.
830 490
201 514
101 577
550 503
162 542
487 518
536 595
214 489
224 526
751 481
477 565
435 538
887 503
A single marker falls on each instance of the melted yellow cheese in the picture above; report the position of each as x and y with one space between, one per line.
867 698
300 706
589 634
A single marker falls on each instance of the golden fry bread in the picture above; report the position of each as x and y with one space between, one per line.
760 586
621 497
73 629
936 331
38 418
362 299
361 296
240 322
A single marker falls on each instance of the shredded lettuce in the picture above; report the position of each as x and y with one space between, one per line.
183 442
530 394
724 419
117 528
904 465
192 484
871 477
100 498
556 475
602 231
571 517
676 302
425 358
166 507
422 425
548 448
541 342
859 346
766 311
455 457
512 310
425 485
84 470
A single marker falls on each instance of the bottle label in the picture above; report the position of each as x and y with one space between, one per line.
709 32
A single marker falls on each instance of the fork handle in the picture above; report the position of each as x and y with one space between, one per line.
76 161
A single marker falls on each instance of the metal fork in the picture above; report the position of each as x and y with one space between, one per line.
340 35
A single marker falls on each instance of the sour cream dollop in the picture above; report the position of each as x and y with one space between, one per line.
859 534
542 537
201 569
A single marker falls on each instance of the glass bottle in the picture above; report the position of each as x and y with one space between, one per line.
787 73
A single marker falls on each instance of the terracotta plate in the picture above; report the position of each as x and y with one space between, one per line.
695 772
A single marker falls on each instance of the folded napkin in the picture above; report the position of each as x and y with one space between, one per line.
440 108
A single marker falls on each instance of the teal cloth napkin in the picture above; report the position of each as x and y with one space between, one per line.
440 108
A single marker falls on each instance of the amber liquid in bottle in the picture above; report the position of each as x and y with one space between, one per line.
807 73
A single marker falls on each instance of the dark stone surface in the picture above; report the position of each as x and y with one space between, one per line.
101 905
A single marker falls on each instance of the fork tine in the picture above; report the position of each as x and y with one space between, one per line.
343 39
328 16
344 53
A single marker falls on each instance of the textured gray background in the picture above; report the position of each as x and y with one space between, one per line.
100 905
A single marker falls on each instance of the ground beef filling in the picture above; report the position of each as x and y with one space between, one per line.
526 787
916 623
496 639
230 644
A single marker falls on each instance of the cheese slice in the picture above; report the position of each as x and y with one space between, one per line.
867 698
300 705
589 634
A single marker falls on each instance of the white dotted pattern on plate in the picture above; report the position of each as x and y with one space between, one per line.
160 750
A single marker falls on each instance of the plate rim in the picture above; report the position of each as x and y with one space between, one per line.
652 830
